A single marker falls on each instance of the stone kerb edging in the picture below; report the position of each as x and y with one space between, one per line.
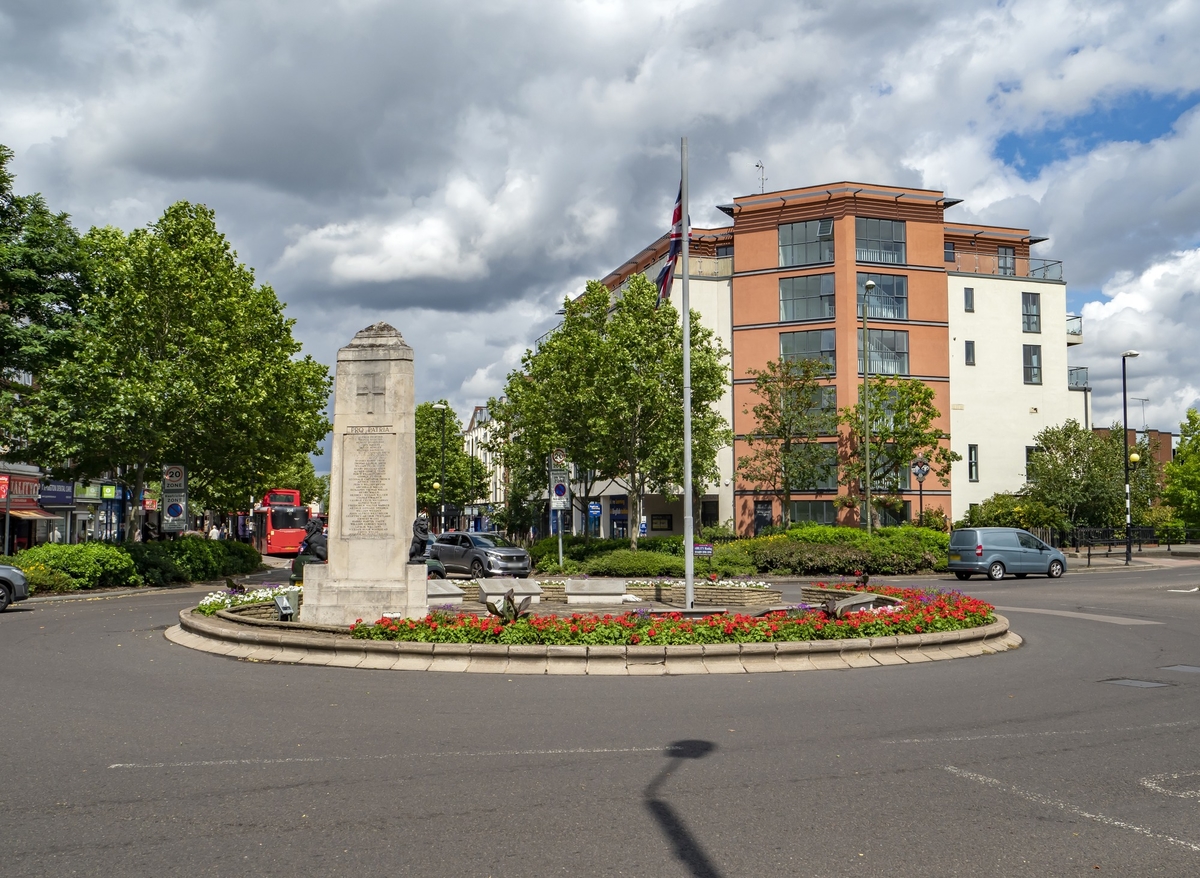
260 643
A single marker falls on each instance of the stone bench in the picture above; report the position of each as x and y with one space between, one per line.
595 591
495 590
440 592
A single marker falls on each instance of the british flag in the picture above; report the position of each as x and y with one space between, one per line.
668 270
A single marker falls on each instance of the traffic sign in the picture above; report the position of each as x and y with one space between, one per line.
174 498
558 457
560 495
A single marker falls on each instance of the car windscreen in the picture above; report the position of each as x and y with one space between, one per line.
491 541
962 538
297 517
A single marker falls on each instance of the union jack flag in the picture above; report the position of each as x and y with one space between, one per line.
668 270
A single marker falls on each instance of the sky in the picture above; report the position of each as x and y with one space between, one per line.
456 169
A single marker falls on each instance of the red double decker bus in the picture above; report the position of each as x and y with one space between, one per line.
279 522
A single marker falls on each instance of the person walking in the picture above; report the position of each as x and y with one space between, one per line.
215 532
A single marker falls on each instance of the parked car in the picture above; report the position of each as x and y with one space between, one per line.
481 555
995 551
433 567
13 586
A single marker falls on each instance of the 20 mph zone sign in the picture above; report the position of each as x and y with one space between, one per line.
174 499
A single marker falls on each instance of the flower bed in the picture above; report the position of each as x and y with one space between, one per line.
921 611
223 600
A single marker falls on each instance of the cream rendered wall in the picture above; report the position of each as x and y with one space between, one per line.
990 404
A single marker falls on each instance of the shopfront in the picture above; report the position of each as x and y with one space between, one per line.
22 515
57 499
618 518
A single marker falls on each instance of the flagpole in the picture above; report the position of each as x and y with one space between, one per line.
689 537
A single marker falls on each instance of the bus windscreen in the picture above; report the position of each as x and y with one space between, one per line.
282 519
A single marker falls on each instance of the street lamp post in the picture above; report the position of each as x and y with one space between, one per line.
868 288
1125 357
441 407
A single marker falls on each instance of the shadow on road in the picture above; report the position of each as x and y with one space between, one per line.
683 844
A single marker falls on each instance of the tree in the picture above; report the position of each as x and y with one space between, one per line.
179 358
298 473
466 477
1183 472
791 416
607 387
39 284
1013 510
1080 472
902 426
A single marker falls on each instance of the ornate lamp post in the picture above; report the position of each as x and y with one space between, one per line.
1125 357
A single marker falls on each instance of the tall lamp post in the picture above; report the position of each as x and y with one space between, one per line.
1125 357
441 485
868 288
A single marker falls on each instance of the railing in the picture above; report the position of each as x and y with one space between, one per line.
894 256
1005 266
1074 329
698 266
886 363
1077 377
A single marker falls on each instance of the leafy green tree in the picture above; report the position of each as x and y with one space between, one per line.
790 418
466 477
39 284
902 426
179 358
1080 472
1013 510
1183 472
298 473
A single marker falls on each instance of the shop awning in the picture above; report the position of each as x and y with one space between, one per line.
32 513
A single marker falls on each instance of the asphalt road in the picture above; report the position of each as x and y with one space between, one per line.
126 755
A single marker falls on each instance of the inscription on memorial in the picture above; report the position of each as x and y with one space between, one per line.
368 476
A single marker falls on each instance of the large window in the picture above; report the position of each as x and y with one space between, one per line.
879 240
828 479
969 353
1031 355
889 299
724 250
973 463
888 518
816 344
817 511
889 352
1031 312
1006 261
806 298
806 243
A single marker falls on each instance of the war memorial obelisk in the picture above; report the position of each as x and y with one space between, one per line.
373 488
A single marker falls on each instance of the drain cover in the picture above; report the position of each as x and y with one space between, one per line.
1192 668
1138 684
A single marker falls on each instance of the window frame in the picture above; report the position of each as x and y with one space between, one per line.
816 233
972 463
1006 261
878 333
1031 312
826 302
969 300
863 239
1031 363
828 355
949 254
969 352
899 301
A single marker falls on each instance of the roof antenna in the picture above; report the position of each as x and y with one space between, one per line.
762 177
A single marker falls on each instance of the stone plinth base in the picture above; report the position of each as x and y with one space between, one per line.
345 602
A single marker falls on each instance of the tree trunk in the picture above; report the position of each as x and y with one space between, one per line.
137 513
635 516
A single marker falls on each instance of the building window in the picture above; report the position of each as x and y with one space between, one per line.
969 353
889 299
817 511
764 515
1031 355
710 513
949 251
816 344
806 243
889 518
827 480
889 352
973 463
879 240
1030 451
1031 312
1006 261
724 250
806 298
968 299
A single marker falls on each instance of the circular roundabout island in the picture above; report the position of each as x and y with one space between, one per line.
833 628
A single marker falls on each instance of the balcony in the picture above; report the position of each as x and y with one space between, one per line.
1077 378
1005 266
1074 329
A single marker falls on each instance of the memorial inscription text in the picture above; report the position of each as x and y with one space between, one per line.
368 474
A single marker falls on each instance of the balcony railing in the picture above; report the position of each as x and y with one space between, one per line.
886 363
1077 378
1005 266
1074 329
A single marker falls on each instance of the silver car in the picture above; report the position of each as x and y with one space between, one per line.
995 551
480 554
13 586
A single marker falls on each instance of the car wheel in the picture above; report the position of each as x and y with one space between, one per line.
996 570
5 598
1020 575
963 576
1056 569
477 571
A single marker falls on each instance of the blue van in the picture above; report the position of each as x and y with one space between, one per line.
995 551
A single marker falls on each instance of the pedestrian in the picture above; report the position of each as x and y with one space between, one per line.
56 535
215 532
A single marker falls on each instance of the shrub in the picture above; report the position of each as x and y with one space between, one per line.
239 558
624 562
45 579
728 559
155 564
844 550
87 565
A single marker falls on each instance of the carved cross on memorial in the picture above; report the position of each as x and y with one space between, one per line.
368 387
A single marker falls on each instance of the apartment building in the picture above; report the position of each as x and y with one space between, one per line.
964 308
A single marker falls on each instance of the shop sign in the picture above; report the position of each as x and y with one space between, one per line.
57 494
108 492
150 504
19 492
87 492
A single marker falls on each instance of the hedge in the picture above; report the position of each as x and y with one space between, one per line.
86 565
819 549
192 559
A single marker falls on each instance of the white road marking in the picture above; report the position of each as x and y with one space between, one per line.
962 738
1039 799
204 763
1155 781
1090 617
1185 590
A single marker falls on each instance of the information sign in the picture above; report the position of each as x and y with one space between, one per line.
702 550
174 499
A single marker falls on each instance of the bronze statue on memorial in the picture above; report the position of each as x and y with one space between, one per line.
416 549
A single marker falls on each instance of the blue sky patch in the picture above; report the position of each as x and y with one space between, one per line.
1137 116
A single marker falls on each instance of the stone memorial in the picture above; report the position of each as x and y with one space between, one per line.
373 489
